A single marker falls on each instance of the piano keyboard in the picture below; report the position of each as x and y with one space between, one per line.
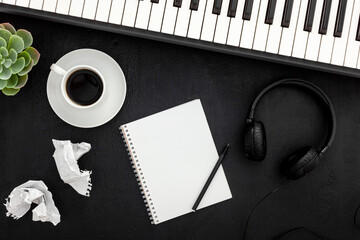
317 34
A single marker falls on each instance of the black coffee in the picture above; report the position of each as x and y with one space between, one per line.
84 87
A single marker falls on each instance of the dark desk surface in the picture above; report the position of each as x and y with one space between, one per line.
160 76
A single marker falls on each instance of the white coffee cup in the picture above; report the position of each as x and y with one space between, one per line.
67 73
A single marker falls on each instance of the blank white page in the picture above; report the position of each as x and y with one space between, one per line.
176 154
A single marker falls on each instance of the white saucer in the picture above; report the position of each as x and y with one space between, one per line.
109 105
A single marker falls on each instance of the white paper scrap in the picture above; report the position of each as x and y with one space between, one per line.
66 157
20 199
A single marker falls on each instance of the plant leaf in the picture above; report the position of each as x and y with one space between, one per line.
5 34
10 91
2 42
2 61
34 54
9 27
26 36
26 69
4 52
26 56
12 55
16 42
5 74
21 81
13 80
2 84
7 63
1 68
18 66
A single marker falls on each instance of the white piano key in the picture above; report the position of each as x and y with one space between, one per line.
23 3
156 16
49 5
358 61
236 24
248 29
103 10
273 42
89 10
313 43
143 14
338 54
208 28
222 24
352 49
196 20
288 34
301 36
63 7
11 2
168 23
327 41
130 13
183 18
36 4
76 8
262 29
116 12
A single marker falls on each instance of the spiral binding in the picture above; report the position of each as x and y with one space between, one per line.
139 175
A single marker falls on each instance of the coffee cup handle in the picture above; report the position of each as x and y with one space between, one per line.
57 69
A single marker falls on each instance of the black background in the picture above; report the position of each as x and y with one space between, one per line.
160 76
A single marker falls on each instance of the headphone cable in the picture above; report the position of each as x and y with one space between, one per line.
263 199
294 230
300 229
355 216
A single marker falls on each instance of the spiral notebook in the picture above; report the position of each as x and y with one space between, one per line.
172 155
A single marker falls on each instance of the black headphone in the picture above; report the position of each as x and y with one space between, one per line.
304 160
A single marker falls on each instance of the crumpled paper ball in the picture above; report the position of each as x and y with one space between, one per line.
20 199
66 157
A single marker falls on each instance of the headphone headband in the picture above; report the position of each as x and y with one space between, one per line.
315 89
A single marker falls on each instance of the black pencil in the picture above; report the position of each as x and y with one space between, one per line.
207 184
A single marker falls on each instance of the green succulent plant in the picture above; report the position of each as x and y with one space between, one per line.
17 58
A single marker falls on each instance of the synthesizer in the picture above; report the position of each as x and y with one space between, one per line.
316 34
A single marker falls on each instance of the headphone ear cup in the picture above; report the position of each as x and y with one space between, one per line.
301 163
255 141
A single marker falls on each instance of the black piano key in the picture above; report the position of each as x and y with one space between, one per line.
324 21
358 31
310 12
270 11
285 21
155 1
340 18
232 8
194 5
217 7
248 9
177 3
